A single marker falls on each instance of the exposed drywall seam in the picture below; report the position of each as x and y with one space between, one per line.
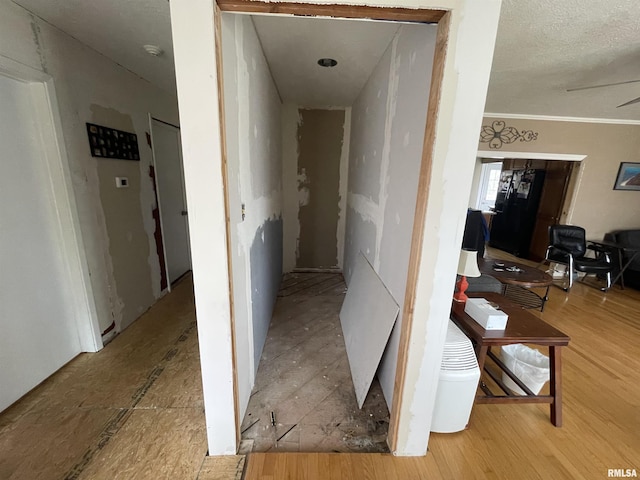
291 121
245 235
386 150
342 187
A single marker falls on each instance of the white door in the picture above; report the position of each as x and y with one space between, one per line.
37 320
167 154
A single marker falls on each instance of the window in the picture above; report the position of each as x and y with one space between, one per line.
489 182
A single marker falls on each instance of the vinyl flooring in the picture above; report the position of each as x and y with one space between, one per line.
304 378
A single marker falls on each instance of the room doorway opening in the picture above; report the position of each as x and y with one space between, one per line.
312 182
532 195
172 203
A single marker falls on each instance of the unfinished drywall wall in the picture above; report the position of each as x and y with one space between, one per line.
128 242
254 169
320 135
315 162
595 205
387 134
86 83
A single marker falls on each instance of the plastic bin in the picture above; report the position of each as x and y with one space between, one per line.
528 364
459 375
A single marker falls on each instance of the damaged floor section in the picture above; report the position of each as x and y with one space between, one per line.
304 380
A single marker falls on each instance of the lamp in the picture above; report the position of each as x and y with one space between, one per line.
467 267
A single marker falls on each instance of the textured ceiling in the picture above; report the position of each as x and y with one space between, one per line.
118 29
545 47
356 45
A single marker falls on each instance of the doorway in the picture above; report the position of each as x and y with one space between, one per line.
172 204
45 318
553 199
378 128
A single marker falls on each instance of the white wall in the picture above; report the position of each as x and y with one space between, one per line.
388 125
119 244
254 166
469 50
294 194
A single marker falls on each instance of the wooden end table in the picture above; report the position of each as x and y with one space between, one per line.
517 285
522 327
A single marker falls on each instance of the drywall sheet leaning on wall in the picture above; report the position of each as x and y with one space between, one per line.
367 318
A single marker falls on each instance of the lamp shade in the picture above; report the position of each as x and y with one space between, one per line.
468 264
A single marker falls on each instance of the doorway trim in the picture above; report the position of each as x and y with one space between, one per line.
158 195
442 18
49 127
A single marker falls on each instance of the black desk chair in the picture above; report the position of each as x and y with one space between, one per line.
568 246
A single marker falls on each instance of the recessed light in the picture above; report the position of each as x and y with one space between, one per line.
154 50
327 62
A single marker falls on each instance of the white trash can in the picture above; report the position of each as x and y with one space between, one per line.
459 375
528 364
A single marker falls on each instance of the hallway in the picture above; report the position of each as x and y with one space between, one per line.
94 418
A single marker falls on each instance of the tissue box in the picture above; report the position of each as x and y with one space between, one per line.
485 314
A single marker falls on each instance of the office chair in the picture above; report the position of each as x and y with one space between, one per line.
568 246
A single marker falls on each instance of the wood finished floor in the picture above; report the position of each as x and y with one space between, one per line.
601 370
304 378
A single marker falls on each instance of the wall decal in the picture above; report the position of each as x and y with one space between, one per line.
497 134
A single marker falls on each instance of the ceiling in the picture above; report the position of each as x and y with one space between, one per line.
117 29
356 45
543 48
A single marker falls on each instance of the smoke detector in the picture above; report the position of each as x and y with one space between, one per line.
154 50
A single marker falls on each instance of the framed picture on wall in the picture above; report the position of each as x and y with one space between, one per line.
628 177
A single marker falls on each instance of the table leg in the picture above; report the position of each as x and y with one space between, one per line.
545 298
555 388
481 355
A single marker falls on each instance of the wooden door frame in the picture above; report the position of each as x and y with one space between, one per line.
158 194
434 16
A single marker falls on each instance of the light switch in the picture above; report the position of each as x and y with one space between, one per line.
122 182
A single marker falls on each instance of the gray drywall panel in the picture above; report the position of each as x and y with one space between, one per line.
415 51
320 136
389 118
252 120
367 317
266 275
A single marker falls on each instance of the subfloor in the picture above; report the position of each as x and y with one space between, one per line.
131 411
304 378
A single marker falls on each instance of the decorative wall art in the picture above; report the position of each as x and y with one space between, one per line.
497 134
108 142
628 177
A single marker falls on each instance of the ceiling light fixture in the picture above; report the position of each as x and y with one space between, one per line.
154 50
327 62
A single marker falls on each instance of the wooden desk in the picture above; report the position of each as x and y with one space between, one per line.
522 327
517 284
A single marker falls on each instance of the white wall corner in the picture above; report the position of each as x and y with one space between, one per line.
466 75
197 83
